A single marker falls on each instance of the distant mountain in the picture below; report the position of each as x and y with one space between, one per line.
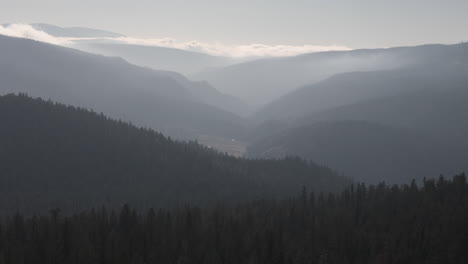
439 112
168 59
365 151
261 81
75 32
113 86
114 44
204 92
350 88
159 58
54 155
391 125
171 61
423 125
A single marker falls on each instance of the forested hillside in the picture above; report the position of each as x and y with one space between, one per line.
362 224
52 155
365 151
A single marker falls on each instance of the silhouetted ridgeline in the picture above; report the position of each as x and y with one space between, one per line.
53 155
376 224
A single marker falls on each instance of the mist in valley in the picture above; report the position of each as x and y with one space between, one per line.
237 133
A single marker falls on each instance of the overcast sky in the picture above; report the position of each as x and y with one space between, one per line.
351 23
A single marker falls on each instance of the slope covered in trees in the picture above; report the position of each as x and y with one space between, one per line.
57 155
438 113
365 151
376 224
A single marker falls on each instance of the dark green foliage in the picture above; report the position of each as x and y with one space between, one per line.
52 155
376 224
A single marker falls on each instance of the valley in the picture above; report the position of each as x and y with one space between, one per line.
231 132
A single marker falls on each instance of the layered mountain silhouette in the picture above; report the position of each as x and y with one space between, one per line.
121 90
403 108
391 125
351 88
262 81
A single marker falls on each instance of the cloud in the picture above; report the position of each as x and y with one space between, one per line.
239 51
281 50
217 49
27 31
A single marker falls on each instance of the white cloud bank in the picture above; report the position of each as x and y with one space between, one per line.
27 31
217 49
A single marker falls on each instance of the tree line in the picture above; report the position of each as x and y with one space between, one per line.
361 224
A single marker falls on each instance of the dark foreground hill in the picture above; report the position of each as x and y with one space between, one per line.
52 155
362 225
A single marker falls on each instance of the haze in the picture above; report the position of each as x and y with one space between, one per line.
354 24
233 131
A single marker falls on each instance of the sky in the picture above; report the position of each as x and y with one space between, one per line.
344 23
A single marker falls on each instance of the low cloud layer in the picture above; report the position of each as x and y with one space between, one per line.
27 31
217 49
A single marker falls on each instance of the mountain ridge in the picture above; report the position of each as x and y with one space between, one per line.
275 77
110 85
55 155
